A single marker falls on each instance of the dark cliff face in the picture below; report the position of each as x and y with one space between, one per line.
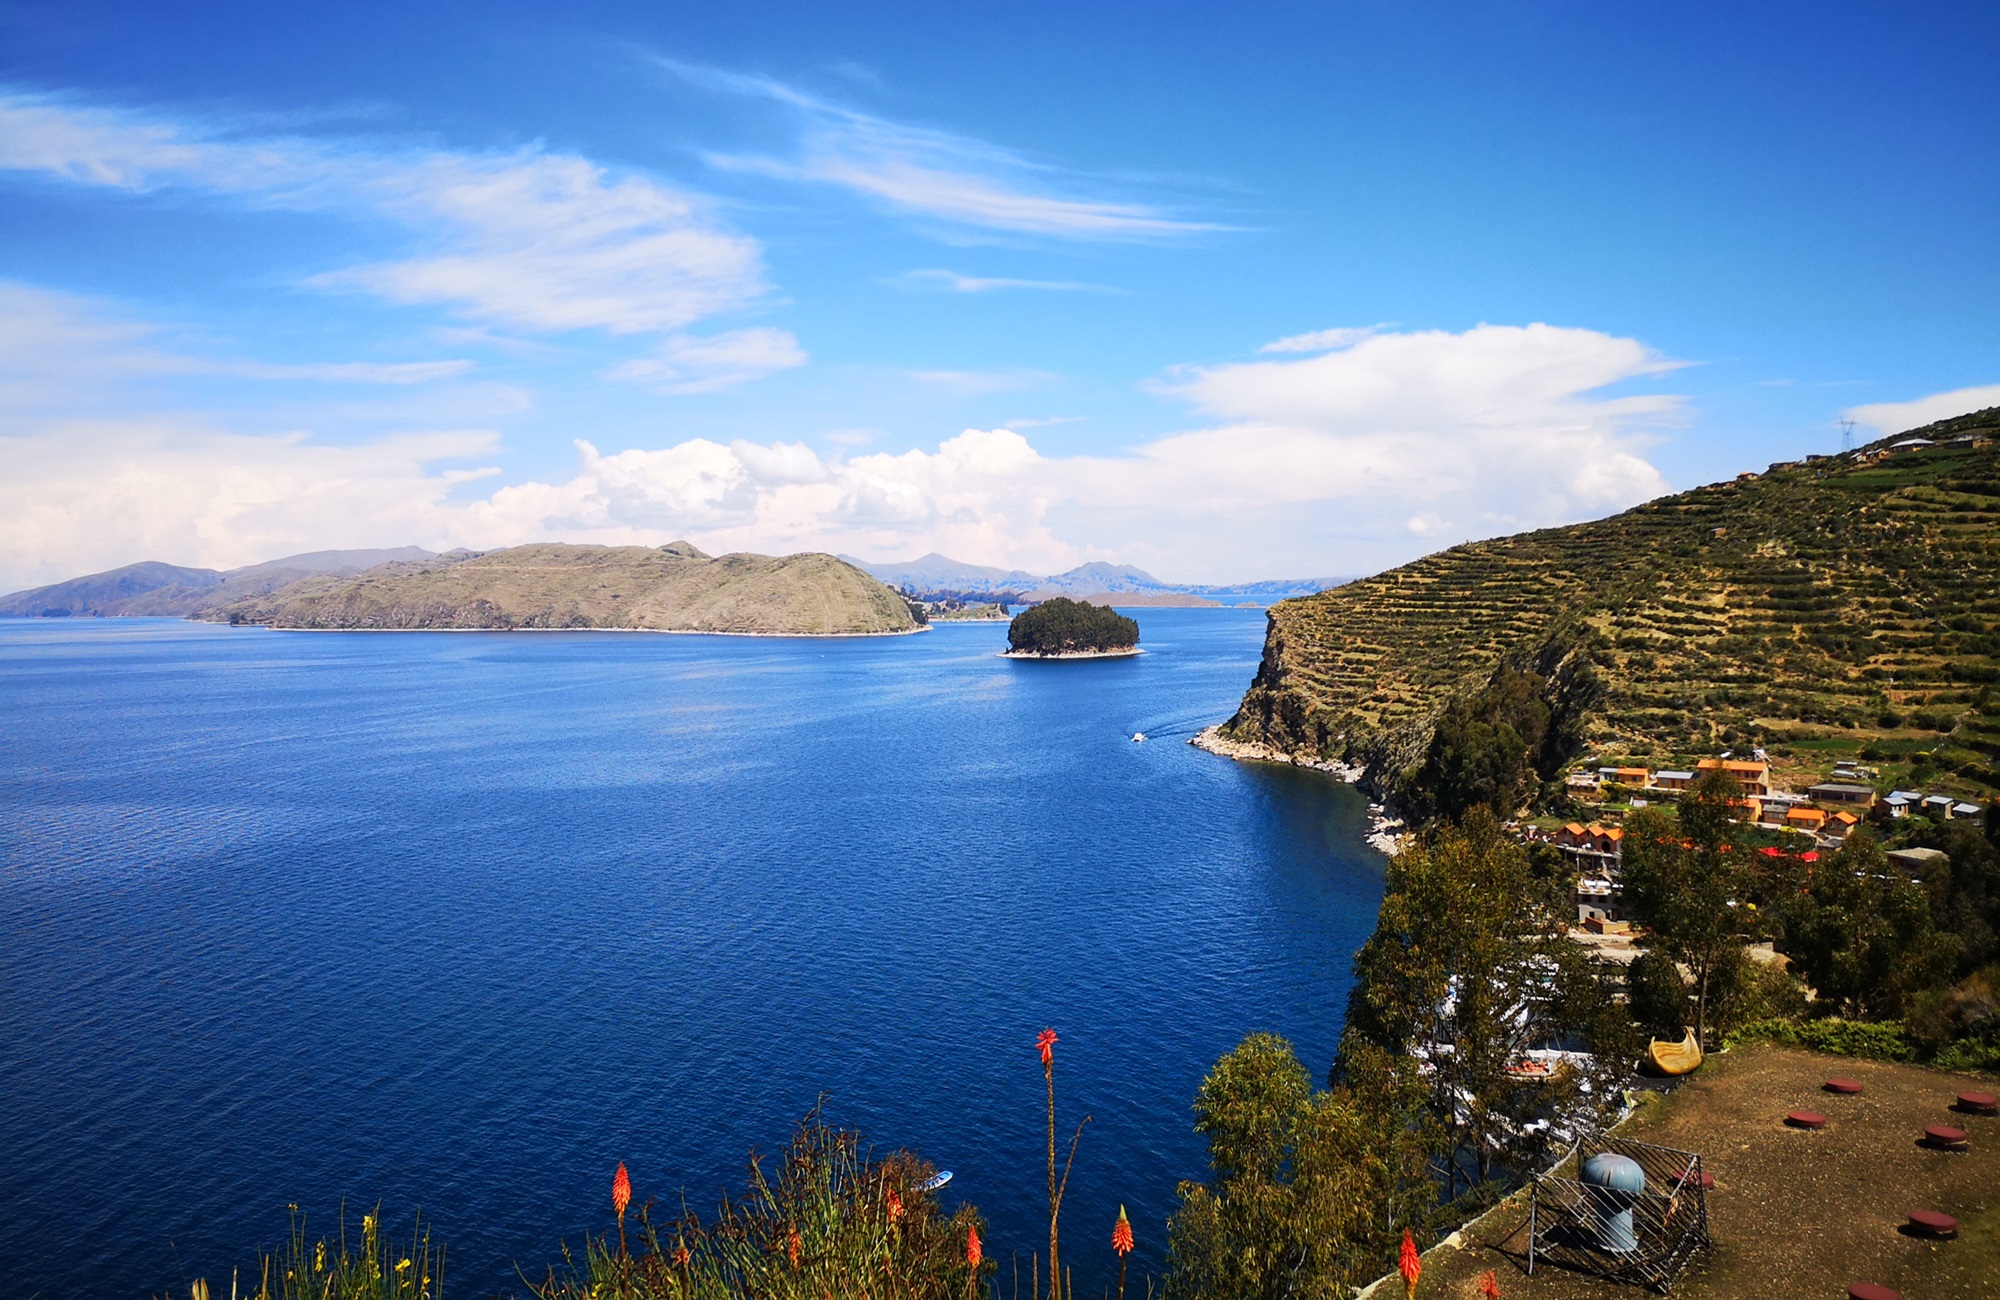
1855 594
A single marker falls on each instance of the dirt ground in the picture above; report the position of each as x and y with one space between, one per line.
1793 1213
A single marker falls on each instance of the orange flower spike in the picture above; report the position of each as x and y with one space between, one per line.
895 1206
1121 1234
1409 1265
621 1190
1489 1286
1046 1041
972 1252
792 1244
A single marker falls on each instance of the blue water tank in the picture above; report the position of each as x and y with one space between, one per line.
1615 1183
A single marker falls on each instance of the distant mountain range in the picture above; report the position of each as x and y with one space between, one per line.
153 588
934 576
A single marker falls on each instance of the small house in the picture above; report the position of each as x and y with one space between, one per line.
1965 810
1805 819
1755 778
1843 793
1840 824
1937 805
1899 804
1672 780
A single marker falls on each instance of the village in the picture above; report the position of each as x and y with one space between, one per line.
1820 817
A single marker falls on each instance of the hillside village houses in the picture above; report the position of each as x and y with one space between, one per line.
1826 813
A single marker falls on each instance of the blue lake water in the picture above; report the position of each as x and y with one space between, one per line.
459 921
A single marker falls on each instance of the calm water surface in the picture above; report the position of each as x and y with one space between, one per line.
459 921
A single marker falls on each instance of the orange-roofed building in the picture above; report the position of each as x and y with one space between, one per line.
1840 824
1755 778
1806 819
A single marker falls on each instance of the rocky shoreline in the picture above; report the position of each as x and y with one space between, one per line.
1073 654
1385 833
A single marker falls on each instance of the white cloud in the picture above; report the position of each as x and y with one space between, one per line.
527 239
953 282
1334 463
61 347
937 174
1895 417
703 365
1323 340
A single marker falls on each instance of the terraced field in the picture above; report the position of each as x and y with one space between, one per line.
1845 606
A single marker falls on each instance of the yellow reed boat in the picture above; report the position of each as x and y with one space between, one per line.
1683 1057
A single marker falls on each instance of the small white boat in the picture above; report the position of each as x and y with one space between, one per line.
932 1184
1138 737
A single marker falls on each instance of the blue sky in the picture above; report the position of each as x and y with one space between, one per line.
1228 292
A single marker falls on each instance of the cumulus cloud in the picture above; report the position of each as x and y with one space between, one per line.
1895 417
526 239
934 173
1338 462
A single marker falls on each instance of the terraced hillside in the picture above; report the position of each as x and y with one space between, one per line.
1845 605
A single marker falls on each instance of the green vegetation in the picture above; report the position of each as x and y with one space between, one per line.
1311 1189
1061 626
1855 601
834 1221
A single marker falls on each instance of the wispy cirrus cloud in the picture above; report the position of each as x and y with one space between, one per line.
526 239
937 174
58 343
685 365
952 282
1323 340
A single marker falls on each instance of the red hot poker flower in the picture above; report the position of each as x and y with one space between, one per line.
621 1190
1121 1233
972 1252
895 1206
1409 1265
792 1244
1489 1286
1046 1041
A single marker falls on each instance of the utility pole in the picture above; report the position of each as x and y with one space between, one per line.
1846 434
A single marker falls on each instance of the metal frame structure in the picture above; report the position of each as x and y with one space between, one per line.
1569 1220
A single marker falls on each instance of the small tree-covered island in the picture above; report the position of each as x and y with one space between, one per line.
1062 628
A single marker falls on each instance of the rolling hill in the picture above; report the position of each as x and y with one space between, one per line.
1838 606
672 588
151 588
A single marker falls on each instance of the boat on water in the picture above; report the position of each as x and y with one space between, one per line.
1138 737
1668 1058
931 1184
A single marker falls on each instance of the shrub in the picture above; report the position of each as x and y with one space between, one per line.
1877 1042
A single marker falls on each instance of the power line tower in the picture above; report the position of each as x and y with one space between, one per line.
1846 434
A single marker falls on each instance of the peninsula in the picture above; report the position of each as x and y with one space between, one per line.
545 586
1067 629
